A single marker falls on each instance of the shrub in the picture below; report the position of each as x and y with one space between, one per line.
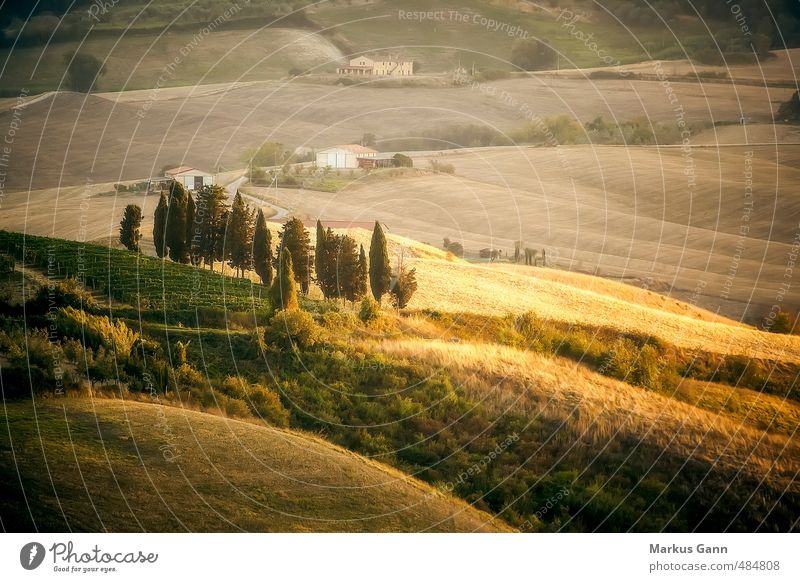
97 330
6 264
288 329
267 405
402 161
439 167
370 310
59 294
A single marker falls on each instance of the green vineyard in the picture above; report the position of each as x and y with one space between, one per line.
135 279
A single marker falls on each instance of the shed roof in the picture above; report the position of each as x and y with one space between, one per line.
185 170
352 148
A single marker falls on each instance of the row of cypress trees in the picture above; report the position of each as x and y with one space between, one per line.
206 230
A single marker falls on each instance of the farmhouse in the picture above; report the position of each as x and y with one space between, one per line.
190 178
377 67
345 156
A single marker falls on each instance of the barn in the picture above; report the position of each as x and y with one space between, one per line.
190 178
344 156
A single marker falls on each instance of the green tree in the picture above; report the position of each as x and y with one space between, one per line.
83 71
210 220
530 54
403 287
295 238
283 293
191 240
262 249
239 236
130 227
267 154
176 223
160 226
361 275
346 267
380 270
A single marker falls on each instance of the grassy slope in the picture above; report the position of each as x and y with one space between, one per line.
96 465
599 410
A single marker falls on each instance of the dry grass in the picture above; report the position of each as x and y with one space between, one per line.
110 475
597 409
479 289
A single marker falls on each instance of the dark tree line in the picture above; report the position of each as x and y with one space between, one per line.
205 230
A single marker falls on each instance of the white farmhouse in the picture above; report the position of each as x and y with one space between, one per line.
344 156
190 178
378 67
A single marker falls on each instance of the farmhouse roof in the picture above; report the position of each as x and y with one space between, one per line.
352 148
184 170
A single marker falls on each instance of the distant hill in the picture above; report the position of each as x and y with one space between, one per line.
111 465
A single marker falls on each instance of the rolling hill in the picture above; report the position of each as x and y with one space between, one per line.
710 226
112 465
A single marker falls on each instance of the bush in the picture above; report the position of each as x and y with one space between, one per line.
370 310
267 405
59 294
6 264
97 330
83 71
293 328
442 167
402 161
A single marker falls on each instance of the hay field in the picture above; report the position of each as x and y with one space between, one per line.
108 472
69 138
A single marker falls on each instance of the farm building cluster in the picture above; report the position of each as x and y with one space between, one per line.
364 66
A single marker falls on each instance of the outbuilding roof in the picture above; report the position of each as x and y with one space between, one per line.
352 148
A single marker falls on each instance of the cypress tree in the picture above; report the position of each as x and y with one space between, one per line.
160 226
130 227
239 236
346 267
361 276
295 238
283 292
191 240
210 219
262 249
176 224
320 258
380 270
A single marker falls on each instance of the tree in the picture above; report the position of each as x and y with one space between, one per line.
790 110
346 267
267 154
361 276
283 293
402 161
295 238
325 261
239 236
403 287
83 71
262 249
191 241
130 227
380 270
210 220
176 223
530 54
160 226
